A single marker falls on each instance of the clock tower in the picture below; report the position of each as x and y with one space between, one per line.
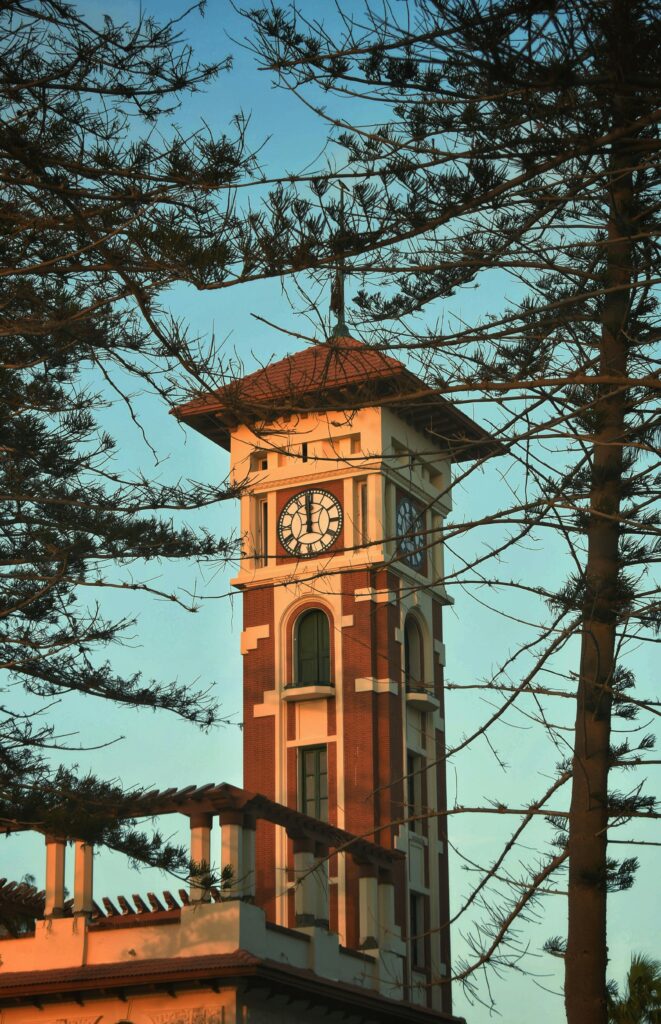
345 460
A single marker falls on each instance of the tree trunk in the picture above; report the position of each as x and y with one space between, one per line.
586 956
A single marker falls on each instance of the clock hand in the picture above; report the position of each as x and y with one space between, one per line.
308 512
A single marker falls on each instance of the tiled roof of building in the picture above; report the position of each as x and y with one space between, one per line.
342 373
337 363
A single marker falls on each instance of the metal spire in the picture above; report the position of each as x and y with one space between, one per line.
337 290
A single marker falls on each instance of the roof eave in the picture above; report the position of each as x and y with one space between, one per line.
464 438
345 997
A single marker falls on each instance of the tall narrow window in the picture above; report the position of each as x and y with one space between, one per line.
362 535
414 768
437 550
304 452
312 641
413 655
313 782
262 547
417 930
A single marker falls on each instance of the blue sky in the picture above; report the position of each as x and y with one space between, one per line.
158 751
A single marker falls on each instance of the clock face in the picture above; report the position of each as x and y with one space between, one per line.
309 523
409 533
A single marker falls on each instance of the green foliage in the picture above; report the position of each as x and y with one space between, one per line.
101 211
516 144
640 1003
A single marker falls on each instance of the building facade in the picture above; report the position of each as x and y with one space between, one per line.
344 459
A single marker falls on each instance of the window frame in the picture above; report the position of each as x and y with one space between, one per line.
417 930
411 623
415 766
362 512
262 532
323 657
318 797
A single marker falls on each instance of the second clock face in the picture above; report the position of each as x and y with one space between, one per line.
409 533
309 523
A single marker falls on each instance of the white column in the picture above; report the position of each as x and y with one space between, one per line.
388 930
54 902
368 910
350 504
392 950
377 513
249 863
83 878
200 855
233 852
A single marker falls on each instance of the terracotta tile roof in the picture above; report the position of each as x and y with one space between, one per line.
339 374
338 363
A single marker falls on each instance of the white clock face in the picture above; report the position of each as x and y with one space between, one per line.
309 523
409 535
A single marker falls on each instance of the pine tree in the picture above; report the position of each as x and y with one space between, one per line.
102 210
522 137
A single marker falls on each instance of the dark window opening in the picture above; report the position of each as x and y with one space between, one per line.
361 512
263 533
417 928
312 649
304 451
259 461
413 655
313 783
414 769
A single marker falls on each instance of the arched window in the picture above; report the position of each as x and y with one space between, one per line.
413 654
312 642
